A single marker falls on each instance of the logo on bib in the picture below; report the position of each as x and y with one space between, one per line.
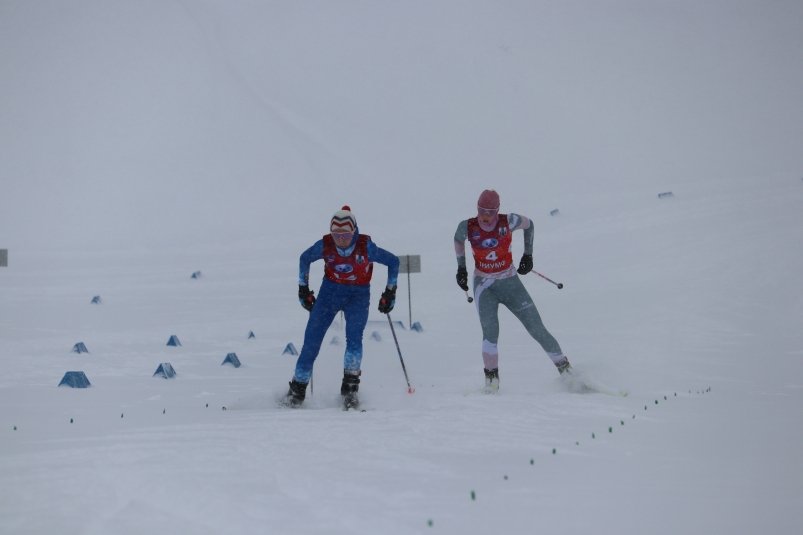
344 268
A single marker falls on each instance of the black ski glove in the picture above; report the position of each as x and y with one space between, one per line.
525 264
387 300
306 297
462 278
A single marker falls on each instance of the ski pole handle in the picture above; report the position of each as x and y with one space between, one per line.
558 284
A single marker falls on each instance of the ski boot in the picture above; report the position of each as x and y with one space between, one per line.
295 396
491 380
348 389
564 366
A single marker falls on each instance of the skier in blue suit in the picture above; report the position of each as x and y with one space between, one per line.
348 265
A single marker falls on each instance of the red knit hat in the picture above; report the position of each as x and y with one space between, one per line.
489 200
343 221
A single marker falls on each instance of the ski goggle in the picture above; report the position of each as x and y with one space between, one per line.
490 212
342 236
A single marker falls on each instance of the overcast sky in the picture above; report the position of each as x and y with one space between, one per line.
144 123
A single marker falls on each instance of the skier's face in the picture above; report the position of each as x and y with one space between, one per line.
487 217
342 239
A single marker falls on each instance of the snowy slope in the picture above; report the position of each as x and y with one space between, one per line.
142 142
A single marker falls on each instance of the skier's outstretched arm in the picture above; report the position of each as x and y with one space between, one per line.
460 236
315 252
384 257
516 222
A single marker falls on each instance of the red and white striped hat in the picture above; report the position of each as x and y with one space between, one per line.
343 220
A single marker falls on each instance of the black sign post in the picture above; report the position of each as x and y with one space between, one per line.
410 264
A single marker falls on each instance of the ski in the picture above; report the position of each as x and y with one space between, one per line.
351 402
287 404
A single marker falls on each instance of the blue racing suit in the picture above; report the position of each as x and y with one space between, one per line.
353 299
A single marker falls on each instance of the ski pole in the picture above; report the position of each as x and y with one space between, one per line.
468 297
410 389
558 284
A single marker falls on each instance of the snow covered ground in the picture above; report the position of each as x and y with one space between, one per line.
142 142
